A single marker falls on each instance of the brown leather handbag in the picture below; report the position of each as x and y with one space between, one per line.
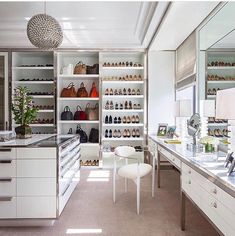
69 91
92 69
82 92
92 112
94 93
80 68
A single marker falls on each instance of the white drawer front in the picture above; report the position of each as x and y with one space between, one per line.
7 208
36 207
165 152
7 187
33 153
7 168
226 199
36 168
7 153
176 161
36 187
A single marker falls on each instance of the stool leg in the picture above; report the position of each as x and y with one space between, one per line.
153 175
138 194
126 180
114 180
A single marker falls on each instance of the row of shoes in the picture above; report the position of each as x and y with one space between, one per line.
41 93
39 65
43 121
44 107
212 91
125 120
36 79
220 78
122 64
124 78
41 133
122 92
218 133
127 106
89 163
135 133
221 63
213 120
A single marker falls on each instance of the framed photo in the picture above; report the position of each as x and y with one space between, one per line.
171 131
162 130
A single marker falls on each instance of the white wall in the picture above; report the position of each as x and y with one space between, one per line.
161 75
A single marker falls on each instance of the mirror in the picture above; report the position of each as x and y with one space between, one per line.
193 126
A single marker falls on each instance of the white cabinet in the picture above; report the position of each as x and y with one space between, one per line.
7 207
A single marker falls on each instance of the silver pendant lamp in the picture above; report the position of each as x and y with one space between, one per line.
44 31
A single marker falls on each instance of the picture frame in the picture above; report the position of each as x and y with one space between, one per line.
171 131
162 129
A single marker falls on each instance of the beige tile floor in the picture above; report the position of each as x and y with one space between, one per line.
91 211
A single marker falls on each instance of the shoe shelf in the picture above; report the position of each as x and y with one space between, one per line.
217 124
124 125
123 68
78 121
121 81
221 67
221 82
123 139
78 99
124 111
85 76
35 70
122 96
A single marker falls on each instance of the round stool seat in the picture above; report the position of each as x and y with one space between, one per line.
130 171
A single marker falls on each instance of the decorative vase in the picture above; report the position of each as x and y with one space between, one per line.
23 132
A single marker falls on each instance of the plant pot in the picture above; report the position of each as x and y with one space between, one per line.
23 132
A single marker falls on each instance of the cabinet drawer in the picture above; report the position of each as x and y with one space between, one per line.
36 187
164 152
36 207
7 187
35 153
7 153
36 168
7 168
176 161
7 207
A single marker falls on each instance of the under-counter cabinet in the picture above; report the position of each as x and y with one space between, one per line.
36 181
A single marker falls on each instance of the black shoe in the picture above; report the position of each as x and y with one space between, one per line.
119 120
115 120
110 133
110 120
106 119
106 133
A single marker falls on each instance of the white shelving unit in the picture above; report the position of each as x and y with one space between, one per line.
115 78
35 71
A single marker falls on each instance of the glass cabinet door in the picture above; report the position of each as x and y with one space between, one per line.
3 91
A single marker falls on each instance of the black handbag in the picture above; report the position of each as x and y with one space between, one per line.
94 136
82 134
66 114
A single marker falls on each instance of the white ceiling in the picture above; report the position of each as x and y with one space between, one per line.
182 18
226 42
85 24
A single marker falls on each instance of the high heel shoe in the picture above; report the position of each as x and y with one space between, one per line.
137 119
119 134
110 133
119 120
133 133
130 105
115 120
133 92
110 120
124 133
137 133
116 106
106 133
106 120
133 119
111 105
128 120
124 120
126 105
111 92
128 133
138 92
115 133
107 92
124 92
115 92
129 91
121 106
107 106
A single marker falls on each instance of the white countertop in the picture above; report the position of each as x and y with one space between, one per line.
25 142
212 165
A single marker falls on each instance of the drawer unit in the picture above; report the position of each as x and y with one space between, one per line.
36 186
33 153
164 152
7 168
7 187
36 207
176 161
7 153
7 207
36 168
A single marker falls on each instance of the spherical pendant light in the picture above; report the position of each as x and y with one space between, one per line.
44 32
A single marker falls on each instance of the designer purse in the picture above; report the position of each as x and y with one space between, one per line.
80 114
92 112
94 93
92 69
82 134
82 92
69 91
66 114
94 136
80 68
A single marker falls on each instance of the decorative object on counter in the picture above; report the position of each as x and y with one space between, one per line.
69 91
172 141
82 134
94 136
94 93
170 131
92 69
82 92
207 109
44 31
92 112
6 136
66 114
193 126
162 130
80 68
210 143
23 111
80 114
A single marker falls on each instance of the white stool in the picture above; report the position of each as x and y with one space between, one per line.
130 171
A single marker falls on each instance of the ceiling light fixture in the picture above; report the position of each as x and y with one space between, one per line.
44 31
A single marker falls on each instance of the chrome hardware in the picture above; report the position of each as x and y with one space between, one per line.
189 171
215 191
5 161
5 199
189 182
214 205
5 179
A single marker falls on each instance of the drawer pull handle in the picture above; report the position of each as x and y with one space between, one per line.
5 199
189 171
215 191
5 161
5 179
173 159
214 205
189 182
5 150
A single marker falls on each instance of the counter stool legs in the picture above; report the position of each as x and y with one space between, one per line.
158 169
126 180
138 194
153 175
114 180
